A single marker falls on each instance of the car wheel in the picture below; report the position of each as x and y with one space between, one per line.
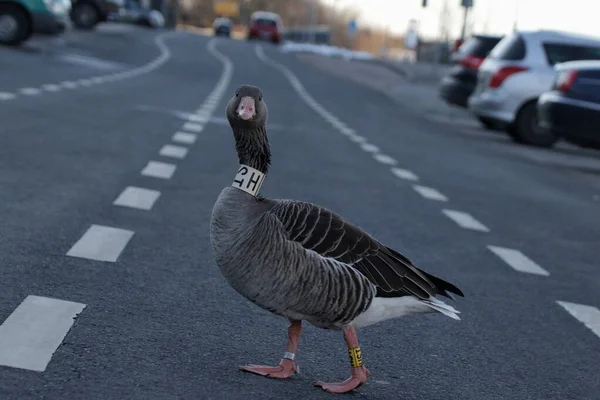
14 25
85 16
527 131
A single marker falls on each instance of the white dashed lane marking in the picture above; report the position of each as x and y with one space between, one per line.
429 193
101 243
68 85
169 150
51 87
29 91
158 169
518 261
465 220
358 139
404 174
193 127
384 159
587 315
136 197
32 333
369 148
184 137
6 96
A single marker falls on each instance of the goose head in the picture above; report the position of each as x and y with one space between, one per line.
247 110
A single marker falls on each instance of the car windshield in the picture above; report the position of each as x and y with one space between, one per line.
560 52
478 46
510 48
265 21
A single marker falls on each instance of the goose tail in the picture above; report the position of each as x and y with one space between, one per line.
442 307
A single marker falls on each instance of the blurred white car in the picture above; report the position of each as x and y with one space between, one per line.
517 71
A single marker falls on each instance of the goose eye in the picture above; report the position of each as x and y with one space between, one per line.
237 94
259 98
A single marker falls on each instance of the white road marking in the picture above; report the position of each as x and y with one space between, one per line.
197 118
193 127
384 159
165 55
348 132
370 148
358 139
158 169
6 96
69 85
184 137
465 220
32 333
51 87
136 197
429 193
404 174
587 315
518 261
101 243
169 150
29 91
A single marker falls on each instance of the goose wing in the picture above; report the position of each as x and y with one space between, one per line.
331 236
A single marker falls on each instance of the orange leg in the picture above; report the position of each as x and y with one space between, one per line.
358 371
287 367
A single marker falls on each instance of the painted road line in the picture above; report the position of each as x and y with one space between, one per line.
32 333
85 82
158 169
370 148
101 243
136 197
193 127
169 150
518 261
465 220
6 96
68 85
429 193
358 139
50 87
197 118
404 174
184 137
587 315
29 91
348 131
384 159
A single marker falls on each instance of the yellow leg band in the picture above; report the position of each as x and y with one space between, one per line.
355 357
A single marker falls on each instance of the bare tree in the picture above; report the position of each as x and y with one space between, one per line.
446 22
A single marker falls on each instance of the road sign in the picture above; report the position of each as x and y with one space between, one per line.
466 3
226 8
352 28
411 40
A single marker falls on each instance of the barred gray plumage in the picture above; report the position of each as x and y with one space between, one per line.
304 262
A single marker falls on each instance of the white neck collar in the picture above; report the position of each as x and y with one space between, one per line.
248 179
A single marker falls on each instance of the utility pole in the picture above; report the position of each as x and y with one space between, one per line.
466 4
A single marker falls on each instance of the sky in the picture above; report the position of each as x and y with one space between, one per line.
493 16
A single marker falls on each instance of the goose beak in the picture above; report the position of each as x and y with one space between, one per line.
246 109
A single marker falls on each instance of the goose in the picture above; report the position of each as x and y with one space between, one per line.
303 262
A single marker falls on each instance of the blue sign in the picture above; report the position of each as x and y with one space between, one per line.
352 27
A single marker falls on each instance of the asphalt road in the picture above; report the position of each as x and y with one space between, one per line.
161 323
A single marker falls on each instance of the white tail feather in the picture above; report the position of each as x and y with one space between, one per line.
442 307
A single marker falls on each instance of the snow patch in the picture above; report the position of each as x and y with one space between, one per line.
325 50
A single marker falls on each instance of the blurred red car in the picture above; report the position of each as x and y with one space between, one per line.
265 26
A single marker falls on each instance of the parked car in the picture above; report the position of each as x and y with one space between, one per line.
222 27
571 109
86 14
266 26
456 87
517 71
20 19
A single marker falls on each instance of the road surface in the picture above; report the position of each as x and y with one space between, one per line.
110 165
